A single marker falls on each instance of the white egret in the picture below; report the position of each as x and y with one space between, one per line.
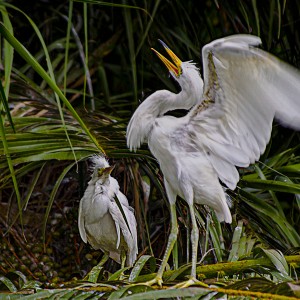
100 220
229 124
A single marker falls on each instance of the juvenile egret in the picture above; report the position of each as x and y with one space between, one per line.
228 125
100 220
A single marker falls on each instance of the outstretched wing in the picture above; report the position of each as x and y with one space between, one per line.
245 88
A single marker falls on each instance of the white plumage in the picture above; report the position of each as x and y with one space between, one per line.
229 124
100 220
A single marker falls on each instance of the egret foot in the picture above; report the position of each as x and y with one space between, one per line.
122 276
156 280
191 281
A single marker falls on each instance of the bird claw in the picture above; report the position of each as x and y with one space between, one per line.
191 281
156 280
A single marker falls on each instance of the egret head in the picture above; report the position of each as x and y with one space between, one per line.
104 173
175 67
183 72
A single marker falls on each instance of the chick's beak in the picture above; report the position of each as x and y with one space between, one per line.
174 67
104 172
108 170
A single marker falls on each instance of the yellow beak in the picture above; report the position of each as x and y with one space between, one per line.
174 67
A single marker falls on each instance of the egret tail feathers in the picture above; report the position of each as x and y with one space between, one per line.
224 214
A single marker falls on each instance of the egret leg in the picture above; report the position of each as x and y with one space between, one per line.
170 245
172 237
103 260
194 239
123 261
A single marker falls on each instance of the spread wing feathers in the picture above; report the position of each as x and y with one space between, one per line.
244 89
130 236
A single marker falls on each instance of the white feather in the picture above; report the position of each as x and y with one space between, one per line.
100 220
230 124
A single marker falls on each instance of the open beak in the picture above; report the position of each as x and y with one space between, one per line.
174 67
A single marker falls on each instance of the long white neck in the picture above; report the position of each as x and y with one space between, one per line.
160 102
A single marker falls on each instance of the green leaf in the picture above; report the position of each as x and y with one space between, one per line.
139 266
278 259
184 293
8 284
3 100
271 185
94 274
32 284
129 290
233 255
116 276
9 54
270 219
38 68
177 273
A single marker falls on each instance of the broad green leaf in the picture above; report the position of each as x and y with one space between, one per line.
272 218
139 266
278 260
184 293
116 276
177 273
233 254
129 290
10 286
32 284
94 274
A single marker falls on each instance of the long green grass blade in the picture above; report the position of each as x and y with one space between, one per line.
7 155
254 5
68 44
38 68
8 52
130 37
51 72
272 185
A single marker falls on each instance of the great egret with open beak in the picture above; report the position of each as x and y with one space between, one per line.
229 124
100 220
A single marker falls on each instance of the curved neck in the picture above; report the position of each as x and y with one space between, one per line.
160 102
163 101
